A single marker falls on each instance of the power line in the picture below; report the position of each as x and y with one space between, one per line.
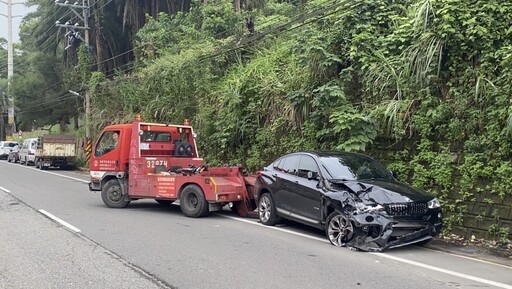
277 29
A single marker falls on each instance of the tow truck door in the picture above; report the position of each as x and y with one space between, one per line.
107 153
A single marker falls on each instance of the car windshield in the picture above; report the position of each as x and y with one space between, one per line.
354 167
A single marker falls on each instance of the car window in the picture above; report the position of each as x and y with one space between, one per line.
33 145
275 165
354 166
290 164
307 164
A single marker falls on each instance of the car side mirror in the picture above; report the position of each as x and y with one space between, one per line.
312 175
394 174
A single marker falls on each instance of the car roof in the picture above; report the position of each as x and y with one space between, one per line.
329 153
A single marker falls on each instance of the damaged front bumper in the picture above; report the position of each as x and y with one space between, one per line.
376 231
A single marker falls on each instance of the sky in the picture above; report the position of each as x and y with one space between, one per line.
17 10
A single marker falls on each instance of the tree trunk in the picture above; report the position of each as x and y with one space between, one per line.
75 121
249 21
2 126
155 8
64 120
100 45
237 6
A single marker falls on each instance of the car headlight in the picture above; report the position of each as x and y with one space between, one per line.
434 203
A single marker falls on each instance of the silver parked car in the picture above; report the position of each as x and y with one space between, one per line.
14 155
28 151
6 147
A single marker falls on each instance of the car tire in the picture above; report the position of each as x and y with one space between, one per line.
113 196
339 229
266 210
192 202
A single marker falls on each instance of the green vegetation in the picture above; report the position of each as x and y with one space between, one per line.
424 85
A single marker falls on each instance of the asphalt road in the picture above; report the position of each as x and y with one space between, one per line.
52 225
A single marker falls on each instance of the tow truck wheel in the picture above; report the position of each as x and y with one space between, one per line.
266 210
192 202
339 229
112 195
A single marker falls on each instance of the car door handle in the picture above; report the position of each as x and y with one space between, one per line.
296 182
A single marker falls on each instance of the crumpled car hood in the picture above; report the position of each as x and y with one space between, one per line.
386 192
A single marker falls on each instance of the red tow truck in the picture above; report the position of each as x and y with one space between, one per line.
160 161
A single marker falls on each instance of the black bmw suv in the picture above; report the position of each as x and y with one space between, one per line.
351 196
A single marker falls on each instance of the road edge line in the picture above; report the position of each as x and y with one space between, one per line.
398 259
62 222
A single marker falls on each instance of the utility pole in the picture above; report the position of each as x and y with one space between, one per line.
72 33
11 128
10 69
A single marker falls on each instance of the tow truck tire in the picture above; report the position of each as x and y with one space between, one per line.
112 195
192 202
339 229
267 211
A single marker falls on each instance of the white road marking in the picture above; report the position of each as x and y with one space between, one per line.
55 174
67 177
384 255
276 228
461 275
5 190
69 226
467 257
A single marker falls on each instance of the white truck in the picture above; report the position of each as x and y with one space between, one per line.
55 151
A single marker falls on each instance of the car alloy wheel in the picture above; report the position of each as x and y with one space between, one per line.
267 211
340 229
